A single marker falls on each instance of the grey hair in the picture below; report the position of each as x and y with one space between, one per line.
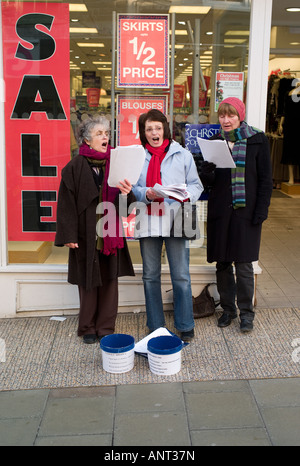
86 126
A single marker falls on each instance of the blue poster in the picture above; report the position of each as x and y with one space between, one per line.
192 132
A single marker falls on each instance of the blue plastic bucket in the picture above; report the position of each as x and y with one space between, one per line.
117 353
164 355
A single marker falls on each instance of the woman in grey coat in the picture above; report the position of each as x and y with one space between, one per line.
238 205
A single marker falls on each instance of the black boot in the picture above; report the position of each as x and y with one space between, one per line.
89 339
246 325
226 319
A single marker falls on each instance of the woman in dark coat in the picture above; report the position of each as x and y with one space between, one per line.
98 252
238 205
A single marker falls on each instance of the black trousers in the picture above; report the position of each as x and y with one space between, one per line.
236 288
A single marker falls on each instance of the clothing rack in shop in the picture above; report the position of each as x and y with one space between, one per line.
275 112
284 73
291 73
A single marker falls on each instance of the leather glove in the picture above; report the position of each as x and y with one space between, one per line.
207 173
207 167
258 219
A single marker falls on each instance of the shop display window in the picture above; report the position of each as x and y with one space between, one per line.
60 67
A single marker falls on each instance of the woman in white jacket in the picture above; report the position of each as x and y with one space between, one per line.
167 162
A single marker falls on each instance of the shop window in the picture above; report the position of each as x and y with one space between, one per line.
283 99
39 102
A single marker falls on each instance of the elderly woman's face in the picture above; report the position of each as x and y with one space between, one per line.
154 131
229 121
99 138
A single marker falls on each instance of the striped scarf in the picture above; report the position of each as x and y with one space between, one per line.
239 136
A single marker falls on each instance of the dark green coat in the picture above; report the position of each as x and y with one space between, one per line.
76 223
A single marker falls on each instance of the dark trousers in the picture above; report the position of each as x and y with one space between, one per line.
98 309
238 286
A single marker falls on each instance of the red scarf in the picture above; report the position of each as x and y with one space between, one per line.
111 244
153 173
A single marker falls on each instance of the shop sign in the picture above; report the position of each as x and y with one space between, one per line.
143 51
129 110
89 79
37 120
192 132
228 85
129 225
179 95
93 96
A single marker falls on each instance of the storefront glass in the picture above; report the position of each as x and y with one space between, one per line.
283 115
59 68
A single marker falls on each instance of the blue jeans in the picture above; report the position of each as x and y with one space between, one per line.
179 257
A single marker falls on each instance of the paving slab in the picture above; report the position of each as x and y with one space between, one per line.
283 425
276 393
82 413
20 432
155 428
222 410
252 437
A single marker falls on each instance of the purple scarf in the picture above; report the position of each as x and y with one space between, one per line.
107 195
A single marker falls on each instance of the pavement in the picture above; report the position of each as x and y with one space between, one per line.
233 389
177 415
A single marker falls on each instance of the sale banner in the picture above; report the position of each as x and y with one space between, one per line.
37 114
143 51
228 85
129 109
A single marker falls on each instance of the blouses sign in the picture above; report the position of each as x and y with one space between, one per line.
129 110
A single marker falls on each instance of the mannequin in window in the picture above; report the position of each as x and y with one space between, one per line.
289 127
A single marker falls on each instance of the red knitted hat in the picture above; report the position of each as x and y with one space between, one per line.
238 105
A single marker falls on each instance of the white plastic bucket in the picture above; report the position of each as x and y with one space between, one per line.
164 355
117 353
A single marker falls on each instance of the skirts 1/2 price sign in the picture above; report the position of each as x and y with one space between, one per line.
143 51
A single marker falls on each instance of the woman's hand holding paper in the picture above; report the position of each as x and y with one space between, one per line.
125 187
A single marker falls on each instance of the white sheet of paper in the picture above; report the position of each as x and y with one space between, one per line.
126 162
176 190
141 346
217 152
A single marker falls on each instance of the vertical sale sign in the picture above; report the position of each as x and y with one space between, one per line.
143 51
37 121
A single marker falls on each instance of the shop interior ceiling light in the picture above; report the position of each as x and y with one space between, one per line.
87 44
77 7
83 30
196 10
